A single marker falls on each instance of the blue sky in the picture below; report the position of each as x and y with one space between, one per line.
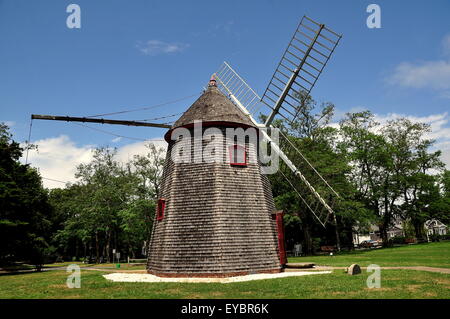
131 54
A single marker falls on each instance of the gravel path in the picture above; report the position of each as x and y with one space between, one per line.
127 277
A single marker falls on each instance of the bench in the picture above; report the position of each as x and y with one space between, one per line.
327 248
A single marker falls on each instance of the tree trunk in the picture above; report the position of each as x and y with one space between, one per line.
386 222
309 249
384 235
97 248
306 229
108 244
417 224
338 241
76 249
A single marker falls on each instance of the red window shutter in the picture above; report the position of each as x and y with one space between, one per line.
238 155
160 209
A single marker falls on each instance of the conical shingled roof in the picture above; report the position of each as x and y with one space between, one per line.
213 106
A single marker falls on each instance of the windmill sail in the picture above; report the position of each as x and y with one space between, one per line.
229 82
302 62
309 195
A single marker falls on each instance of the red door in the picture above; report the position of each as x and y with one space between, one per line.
280 231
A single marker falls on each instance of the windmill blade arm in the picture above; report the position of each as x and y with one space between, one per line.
304 59
92 120
296 171
232 84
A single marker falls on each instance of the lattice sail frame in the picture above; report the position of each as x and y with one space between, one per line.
229 81
302 62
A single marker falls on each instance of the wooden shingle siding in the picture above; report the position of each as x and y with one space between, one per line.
217 219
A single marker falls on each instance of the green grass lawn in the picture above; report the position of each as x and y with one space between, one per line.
394 283
429 254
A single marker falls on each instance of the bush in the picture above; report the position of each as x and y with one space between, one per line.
435 237
398 240
316 244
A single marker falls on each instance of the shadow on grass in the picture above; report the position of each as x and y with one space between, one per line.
21 272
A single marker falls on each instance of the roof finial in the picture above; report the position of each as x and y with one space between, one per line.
212 81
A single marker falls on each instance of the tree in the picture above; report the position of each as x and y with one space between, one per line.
412 162
370 155
390 168
440 208
25 212
311 135
111 206
149 168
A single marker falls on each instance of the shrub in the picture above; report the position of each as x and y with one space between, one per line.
398 240
316 244
435 237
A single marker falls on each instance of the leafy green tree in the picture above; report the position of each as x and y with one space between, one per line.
440 209
25 213
311 139
391 166
111 206
373 166
412 162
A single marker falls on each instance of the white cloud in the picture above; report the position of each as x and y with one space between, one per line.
126 152
439 131
155 47
58 157
117 139
433 74
429 74
218 29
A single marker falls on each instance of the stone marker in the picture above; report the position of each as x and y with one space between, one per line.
354 269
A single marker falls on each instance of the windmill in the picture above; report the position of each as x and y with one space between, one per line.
217 218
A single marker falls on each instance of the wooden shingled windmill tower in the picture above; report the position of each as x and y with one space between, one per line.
217 218
215 214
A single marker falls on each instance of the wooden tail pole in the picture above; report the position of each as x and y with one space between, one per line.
92 120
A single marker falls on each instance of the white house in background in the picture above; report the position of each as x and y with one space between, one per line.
373 233
435 227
